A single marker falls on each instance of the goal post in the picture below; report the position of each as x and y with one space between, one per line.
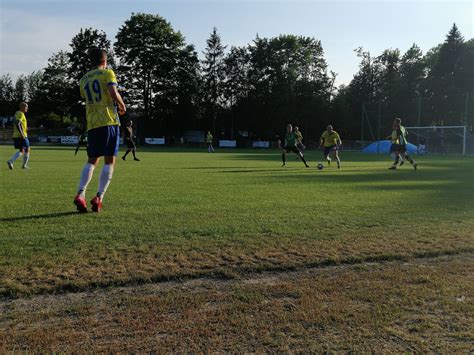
439 139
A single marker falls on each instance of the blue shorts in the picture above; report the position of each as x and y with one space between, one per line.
21 143
103 141
328 150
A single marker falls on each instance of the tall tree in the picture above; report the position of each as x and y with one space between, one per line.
289 82
80 45
213 68
446 84
21 89
148 49
33 82
236 84
57 87
7 104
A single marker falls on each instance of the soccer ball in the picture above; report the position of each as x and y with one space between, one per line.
320 166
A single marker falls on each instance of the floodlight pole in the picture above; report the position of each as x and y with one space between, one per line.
232 117
362 128
378 128
419 118
464 141
466 111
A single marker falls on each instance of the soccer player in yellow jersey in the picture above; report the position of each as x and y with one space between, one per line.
20 137
394 147
331 142
209 139
98 88
299 138
401 150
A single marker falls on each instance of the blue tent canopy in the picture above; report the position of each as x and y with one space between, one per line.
383 147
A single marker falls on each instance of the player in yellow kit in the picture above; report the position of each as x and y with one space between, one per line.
20 137
98 88
331 141
209 139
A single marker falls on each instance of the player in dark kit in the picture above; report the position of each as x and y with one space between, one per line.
128 140
290 145
82 142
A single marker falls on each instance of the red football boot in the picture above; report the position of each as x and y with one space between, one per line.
96 204
81 204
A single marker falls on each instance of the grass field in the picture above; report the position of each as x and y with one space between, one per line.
355 258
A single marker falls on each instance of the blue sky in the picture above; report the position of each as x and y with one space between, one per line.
31 30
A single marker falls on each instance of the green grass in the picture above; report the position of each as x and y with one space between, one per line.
188 213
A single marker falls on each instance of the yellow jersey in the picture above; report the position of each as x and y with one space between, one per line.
330 139
395 139
100 107
21 118
299 136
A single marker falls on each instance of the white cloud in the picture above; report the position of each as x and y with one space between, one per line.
29 39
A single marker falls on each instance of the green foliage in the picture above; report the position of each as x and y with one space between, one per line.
257 88
80 45
420 89
56 94
54 120
7 104
213 76
160 72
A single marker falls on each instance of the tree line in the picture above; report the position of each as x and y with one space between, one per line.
256 88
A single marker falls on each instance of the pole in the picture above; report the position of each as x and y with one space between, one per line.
362 128
378 128
466 111
464 141
232 118
419 118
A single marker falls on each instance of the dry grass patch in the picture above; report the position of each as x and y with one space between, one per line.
422 305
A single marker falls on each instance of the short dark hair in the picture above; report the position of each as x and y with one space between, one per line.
398 120
97 56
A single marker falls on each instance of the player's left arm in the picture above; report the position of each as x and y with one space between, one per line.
21 129
117 98
114 93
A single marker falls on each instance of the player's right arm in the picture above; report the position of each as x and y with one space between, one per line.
321 141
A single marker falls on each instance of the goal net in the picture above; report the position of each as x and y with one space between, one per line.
439 139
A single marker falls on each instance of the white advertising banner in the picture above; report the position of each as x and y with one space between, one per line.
260 144
155 141
228 144
54 139
69 139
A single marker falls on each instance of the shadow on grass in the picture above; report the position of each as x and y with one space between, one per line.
352 157
262 170
38 216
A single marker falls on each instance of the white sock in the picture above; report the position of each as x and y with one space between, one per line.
26 157
15 156
104 180
86 176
